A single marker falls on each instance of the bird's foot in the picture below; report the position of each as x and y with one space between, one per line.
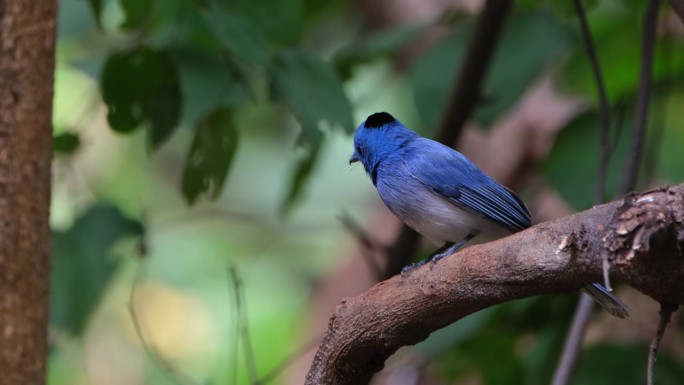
408 268
448 249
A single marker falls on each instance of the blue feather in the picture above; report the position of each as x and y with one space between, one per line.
444 171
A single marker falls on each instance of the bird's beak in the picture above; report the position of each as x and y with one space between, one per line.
353 159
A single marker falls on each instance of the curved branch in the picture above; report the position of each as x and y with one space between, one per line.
642 236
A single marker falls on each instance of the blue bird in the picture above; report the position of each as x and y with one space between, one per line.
442 195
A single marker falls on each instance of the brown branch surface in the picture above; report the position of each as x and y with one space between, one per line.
642 236
27 49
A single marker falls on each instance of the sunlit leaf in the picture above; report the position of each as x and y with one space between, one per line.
141 86
82 266
210 156
313 92
66 143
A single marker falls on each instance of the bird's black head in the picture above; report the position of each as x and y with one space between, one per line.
379 119
377 138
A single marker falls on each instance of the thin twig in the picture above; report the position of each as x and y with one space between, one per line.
241 309
150 349
370 248
648 44
573 341
666 310
580 320
606 275
464 98
606 116
233 360
604 104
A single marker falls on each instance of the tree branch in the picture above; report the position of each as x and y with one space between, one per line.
642 236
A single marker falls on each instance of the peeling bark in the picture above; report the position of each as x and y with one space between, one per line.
642 236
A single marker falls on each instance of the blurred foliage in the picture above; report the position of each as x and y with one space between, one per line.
579 137
222 116
141 86
619 364
532 42
65 143
82 264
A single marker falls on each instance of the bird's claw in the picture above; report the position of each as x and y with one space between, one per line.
408 268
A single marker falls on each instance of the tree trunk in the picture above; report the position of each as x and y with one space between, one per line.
27 47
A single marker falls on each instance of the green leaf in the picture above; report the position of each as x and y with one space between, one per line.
66 143
207 81
238 34
263 22
210 156
136 11
313 92
280 20
82 266
381 44
141 86
301 174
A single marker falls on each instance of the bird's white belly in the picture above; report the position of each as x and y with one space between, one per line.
440 220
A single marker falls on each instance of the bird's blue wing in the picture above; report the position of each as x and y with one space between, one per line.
451 175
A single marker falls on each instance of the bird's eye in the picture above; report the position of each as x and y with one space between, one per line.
359 150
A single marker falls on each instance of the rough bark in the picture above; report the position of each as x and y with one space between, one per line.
27 44
642 236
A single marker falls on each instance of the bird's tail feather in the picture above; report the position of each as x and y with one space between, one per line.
610 302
